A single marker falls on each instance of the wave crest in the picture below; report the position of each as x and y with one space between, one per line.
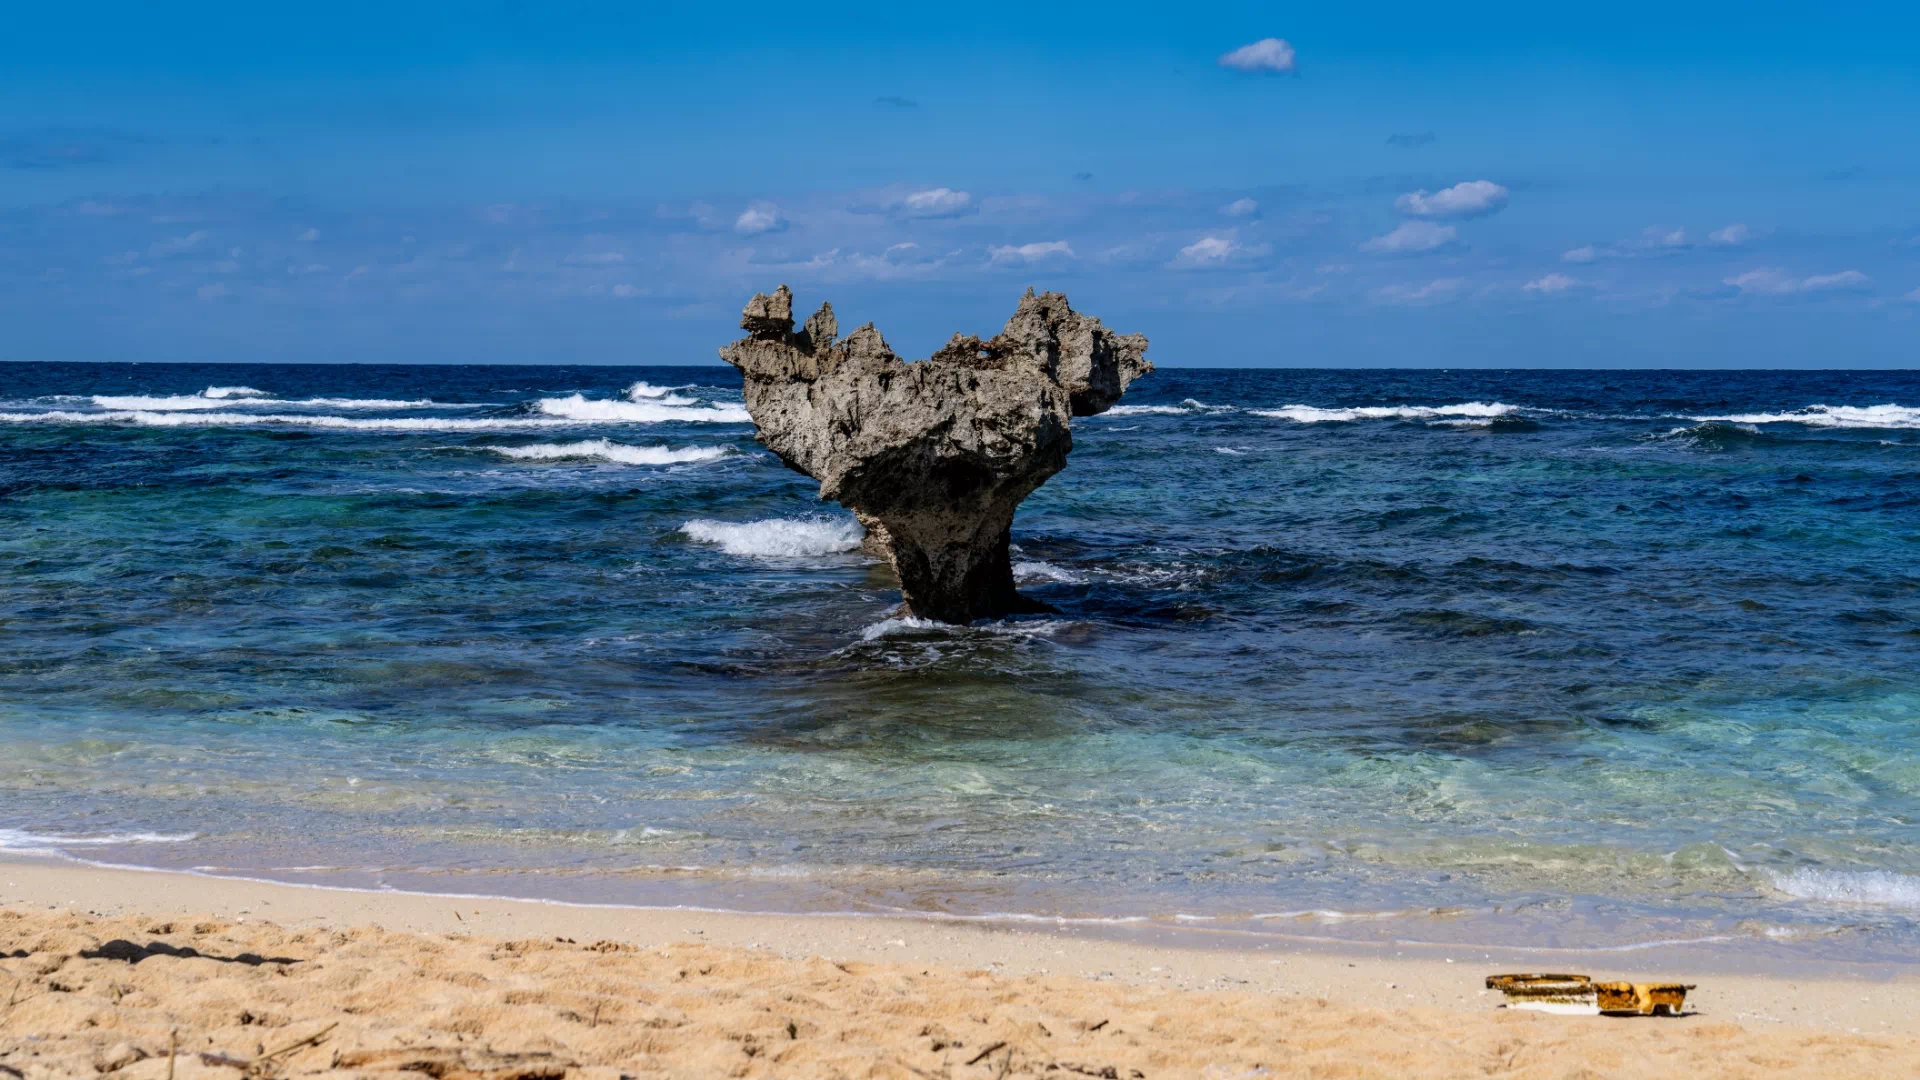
601 410
607 450
1880 888
662 395
779 538
1831 416
1310 414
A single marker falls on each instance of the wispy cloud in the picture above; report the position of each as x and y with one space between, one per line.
1435 291
938 202
1772 281
1410 140
1241 208
1215 251
759 218
1267 54
1412 238
1550 284
920 204
1653 240
1029 253
1469 199
178 245
1732 236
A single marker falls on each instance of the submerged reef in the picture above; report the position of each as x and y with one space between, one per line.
933 456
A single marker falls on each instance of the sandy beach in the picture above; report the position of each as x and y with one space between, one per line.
106 968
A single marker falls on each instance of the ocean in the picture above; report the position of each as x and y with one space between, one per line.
1578 660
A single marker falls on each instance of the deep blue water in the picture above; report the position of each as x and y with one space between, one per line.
1559 657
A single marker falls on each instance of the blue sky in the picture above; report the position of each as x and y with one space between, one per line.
596 182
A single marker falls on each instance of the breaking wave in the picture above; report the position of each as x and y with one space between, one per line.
915 626
229 397
143 418
607 450
21 840
779 538
1035 571
581 407
1880 888
1831 416
1189 407
663 395
1308 414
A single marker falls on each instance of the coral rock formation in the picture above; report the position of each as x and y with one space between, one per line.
933 456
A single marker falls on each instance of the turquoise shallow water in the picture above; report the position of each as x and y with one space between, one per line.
1568 659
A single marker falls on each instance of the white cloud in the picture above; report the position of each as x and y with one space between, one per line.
1267 54
759 218
937 202
1470 198
309 236
1432 292
1411 238
178 245
1731 236
1025 253
1771 281
1912 297
1216 250
211 292
1241 208
1654 241
1552 283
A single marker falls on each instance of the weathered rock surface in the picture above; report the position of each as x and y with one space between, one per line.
933 456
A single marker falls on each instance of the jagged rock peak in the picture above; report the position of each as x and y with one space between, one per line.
933 456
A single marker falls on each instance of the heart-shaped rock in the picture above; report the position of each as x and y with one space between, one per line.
933 456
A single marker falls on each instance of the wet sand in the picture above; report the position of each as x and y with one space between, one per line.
103 967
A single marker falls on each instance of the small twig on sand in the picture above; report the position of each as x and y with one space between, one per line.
173 1048
1006 1066
982 1055
292 1046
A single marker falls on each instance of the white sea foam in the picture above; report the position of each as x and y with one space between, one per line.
581 407
21 840
1228 450
167 403
373 403
1188 407
913 624
607 450
779 538
1832 416
1880 888
320 420
1035 570
1309 414
663 395
229 397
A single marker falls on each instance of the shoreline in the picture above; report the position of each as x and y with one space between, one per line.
1727 950
1879 998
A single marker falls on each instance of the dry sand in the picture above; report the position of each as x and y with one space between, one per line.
100 969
